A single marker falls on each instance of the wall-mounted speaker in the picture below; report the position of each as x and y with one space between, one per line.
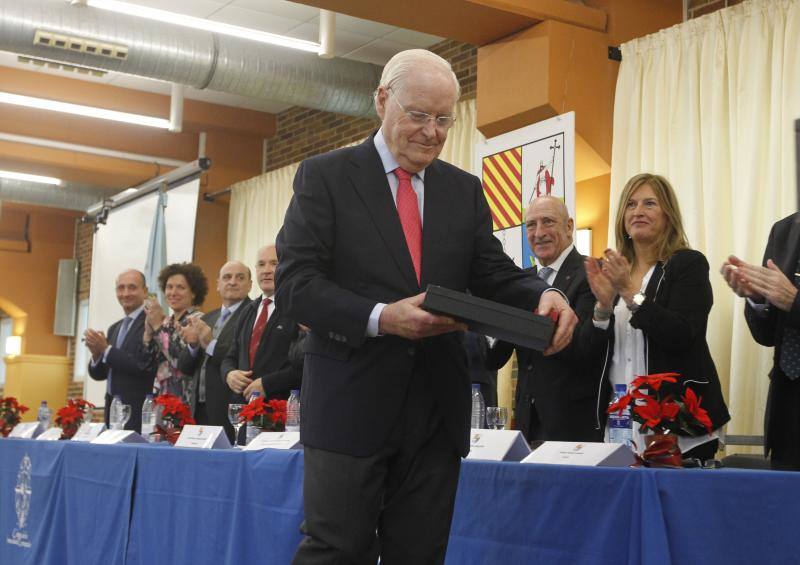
66 297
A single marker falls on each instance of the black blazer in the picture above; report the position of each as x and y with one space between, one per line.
674 318
767 326
342 250
217 392
130 379
565 388
271 363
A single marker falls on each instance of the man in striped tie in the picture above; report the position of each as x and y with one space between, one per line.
386 395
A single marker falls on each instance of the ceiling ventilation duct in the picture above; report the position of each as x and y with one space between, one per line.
186 56
68 196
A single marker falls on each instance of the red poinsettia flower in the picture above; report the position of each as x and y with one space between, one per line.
654 381
670 408
649 412
620 405
278 408
692 403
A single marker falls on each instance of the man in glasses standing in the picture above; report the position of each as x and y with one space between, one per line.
386 395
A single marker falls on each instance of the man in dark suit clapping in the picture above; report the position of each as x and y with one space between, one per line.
117 359
209 338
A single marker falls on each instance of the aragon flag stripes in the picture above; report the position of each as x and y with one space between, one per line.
502 185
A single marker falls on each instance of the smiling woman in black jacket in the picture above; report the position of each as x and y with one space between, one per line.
653 300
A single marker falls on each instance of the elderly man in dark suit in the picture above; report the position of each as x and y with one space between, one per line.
558 396
386 395
772 312
118 358
209 339
258 359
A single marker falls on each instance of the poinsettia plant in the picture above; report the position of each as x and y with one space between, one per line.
10 414
269 416
174 415
70 417
658 406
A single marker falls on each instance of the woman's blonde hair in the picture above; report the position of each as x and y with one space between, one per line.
673 238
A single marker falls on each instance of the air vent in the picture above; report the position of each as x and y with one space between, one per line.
61 66
80 45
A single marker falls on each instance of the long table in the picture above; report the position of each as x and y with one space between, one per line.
67 503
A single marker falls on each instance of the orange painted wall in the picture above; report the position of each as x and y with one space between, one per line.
592 210
29 280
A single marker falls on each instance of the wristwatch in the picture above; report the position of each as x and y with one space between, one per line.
601 314
636 301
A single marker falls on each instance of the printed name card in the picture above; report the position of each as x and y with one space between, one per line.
111 437
203 437
88 431
53 434
274 440
497 445
25 430
582 453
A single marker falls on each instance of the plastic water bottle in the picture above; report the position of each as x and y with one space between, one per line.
148 418
293 412
619 425
44 416
478 408
252 431
114 416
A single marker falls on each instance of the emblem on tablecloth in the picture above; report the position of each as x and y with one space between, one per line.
22 504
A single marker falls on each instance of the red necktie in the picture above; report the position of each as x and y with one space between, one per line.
258 330
408 210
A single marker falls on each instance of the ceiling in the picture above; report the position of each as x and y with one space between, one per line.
355 38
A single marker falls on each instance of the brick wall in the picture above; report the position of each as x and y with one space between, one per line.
83 253
699 8
303 133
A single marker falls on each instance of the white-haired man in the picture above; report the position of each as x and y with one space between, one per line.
386 396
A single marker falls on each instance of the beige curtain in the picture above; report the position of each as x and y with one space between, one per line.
711 105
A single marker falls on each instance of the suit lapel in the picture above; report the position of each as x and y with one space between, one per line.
789 260
369 180
569 271
135 325
434 226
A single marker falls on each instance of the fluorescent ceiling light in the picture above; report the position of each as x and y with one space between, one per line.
30 178
203 24
88 111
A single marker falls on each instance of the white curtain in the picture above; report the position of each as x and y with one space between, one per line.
258 204
711 104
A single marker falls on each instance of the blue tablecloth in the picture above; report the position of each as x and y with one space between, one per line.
87 504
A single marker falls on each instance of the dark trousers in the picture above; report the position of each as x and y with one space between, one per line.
782 422
397 503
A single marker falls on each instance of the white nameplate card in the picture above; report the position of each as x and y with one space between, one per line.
203 437
88 431
110 437
53 434
497 445
582 453
274 440
25 430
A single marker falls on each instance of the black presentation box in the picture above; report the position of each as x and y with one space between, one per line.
514 325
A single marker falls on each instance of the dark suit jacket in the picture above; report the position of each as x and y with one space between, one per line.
271 363
129 378
564 388
767 326
342 250
674 319
217 392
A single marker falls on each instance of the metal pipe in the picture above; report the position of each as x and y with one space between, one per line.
176 108
327 34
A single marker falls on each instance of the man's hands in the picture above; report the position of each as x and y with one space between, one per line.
566 320
406 319
238 380
96 342
600 284
196 332
256 385
756 282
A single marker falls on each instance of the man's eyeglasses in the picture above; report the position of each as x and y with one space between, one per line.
422 118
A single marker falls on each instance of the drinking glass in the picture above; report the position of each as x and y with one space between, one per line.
234 411
491 417
124 415
501 418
